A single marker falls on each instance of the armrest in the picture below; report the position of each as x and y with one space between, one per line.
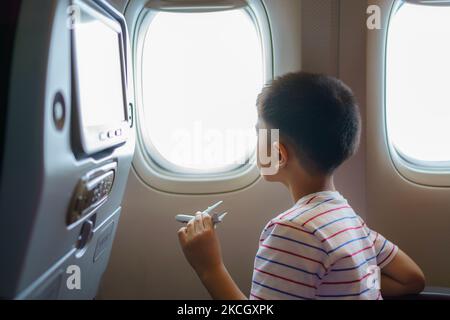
429 293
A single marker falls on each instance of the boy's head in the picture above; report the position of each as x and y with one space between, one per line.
317 117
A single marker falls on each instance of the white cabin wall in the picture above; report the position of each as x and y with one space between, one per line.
146 262
414 216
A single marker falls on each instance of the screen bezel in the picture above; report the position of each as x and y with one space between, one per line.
93 139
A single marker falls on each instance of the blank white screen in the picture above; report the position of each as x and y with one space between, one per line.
99 72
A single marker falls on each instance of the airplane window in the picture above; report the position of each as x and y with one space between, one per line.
201 74
417 84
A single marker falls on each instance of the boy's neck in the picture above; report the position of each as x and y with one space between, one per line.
300 188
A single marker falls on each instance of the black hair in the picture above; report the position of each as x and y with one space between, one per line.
317 115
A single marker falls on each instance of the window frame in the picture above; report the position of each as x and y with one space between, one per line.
147 160
426 173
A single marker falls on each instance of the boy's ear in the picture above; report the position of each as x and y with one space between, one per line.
283 154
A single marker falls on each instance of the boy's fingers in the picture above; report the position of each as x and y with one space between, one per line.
182 235
207 221
198 224
190 227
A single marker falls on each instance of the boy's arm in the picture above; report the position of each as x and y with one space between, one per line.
221 286
202 249
402 276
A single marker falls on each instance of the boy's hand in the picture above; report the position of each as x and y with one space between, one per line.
202 249
200 245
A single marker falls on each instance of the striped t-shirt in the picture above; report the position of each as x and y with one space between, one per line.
320 249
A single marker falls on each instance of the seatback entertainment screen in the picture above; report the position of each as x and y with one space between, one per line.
98 61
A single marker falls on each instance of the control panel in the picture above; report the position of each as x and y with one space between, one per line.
91 192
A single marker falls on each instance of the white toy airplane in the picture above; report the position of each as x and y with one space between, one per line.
216 218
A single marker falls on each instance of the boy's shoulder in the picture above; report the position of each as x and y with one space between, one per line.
318 214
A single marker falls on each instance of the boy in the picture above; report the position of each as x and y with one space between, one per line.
318 249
